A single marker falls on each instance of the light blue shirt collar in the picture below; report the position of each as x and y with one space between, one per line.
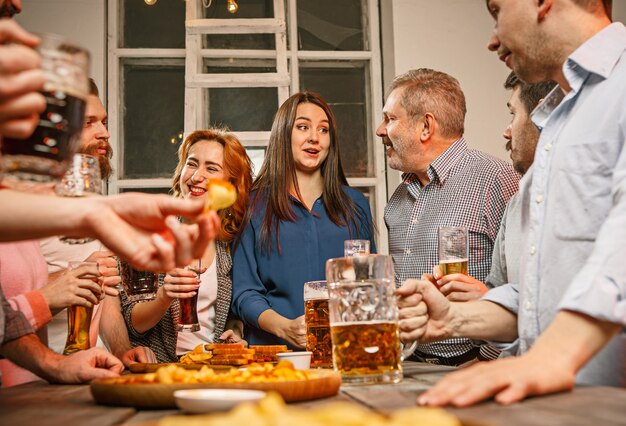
598 55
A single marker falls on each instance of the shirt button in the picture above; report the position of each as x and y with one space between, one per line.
548 147
532 250
527 305
539 199
407 251
413 221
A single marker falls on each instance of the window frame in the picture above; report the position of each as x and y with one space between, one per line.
195 98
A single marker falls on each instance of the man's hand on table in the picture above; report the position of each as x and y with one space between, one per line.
507 380
84 366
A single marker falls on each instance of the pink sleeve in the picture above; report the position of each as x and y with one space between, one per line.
34 307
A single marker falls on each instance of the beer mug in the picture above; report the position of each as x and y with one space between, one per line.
364 319
79 317
356 247
316 320
453 247
138 285
44 156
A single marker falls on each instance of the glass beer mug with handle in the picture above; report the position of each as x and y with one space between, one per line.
364 319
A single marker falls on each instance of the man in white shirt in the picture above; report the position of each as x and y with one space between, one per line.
573 274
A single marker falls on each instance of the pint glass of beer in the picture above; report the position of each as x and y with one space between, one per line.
364 319
317 323
453 244
138 285
44 156
79 317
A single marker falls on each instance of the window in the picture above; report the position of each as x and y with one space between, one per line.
188 67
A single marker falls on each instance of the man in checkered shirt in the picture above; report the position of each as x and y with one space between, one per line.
444 184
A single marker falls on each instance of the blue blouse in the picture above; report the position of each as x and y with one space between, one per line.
274 280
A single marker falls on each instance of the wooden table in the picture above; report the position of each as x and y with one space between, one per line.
40 404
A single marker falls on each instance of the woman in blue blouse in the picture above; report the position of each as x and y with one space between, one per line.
301 211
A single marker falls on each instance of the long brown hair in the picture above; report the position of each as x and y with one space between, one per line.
278 174
237 167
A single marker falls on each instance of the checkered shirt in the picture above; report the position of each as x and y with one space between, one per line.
467 188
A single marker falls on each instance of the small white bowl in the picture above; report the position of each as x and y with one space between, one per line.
209 400
300 360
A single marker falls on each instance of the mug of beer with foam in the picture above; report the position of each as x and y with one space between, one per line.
364 319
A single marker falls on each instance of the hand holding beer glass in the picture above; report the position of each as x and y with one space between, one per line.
44 156
316 319
79 317
364 319
453 244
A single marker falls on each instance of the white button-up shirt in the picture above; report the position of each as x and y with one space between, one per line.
574 217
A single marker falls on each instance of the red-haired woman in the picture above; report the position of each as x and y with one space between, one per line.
212 153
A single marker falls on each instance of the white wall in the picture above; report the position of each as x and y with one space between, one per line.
83 21
451 36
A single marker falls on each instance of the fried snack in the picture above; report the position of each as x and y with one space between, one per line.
196 356
213 346
254 373
191 358
267 353
220 194
272 411
232 354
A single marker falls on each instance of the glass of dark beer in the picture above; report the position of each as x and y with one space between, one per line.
44 157
188 319
138 285
79 317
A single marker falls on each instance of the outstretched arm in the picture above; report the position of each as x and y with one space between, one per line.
550 365
28 352
142 228
426 316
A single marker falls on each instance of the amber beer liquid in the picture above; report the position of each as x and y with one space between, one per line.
318 339
367 349
78 323
453 266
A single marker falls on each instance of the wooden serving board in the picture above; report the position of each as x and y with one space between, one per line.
142 367
323 383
